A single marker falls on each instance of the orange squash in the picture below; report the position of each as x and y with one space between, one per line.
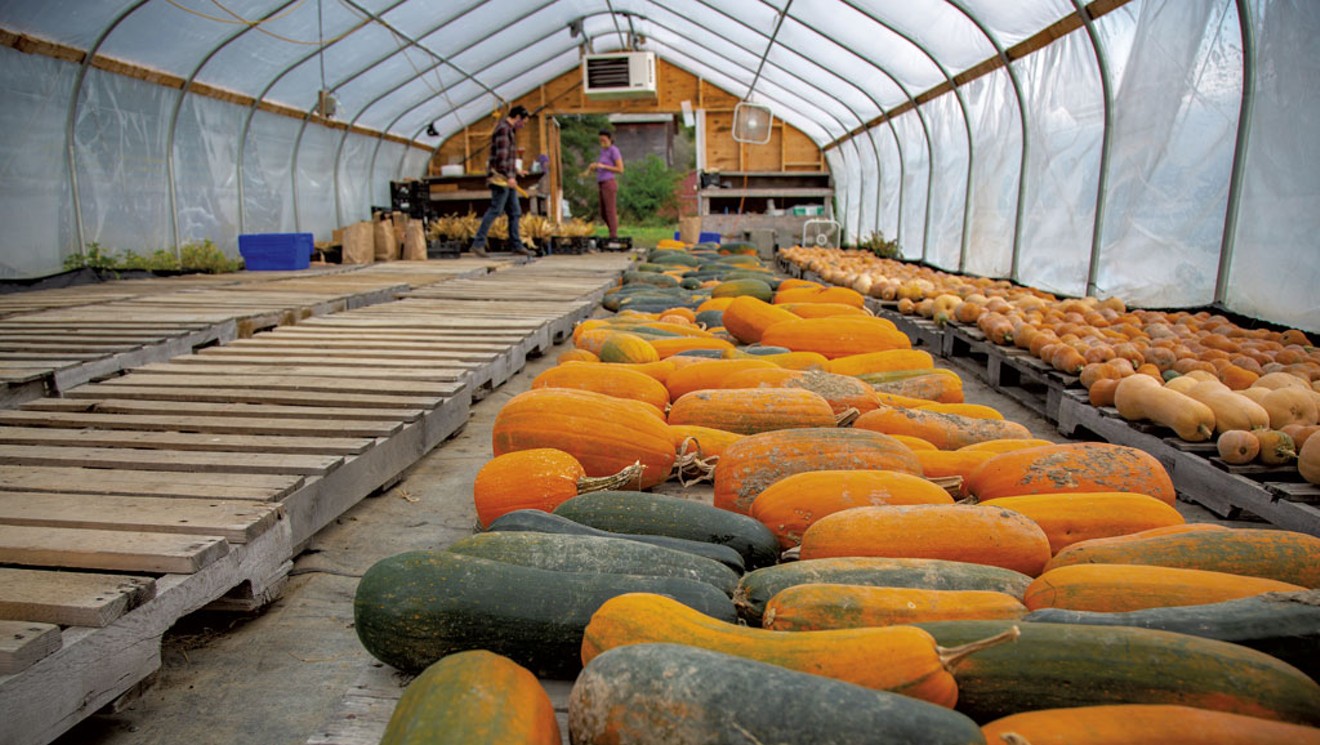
843 392
1232 410
1238 446
944 431
821 310
902 659
1282 555
753 463
818 607
937 464
834 295
605 434
1144 724
934 387
709 374
748 317
611 380
1118 588
1071 518
1005 446
837 336
973 411
914 443
884 361
791 505
796 360
1072 467
537 479
624 347
704 441
748 411
968 533
576 355
1308 459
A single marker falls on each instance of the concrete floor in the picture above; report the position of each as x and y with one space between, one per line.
276 676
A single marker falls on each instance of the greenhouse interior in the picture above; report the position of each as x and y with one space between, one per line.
392 371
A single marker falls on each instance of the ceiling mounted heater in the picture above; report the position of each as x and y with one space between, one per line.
752 123
821 234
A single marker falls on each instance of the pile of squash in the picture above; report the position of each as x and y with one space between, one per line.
881 561
1201 356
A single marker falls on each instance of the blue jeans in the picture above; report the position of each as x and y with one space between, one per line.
506 201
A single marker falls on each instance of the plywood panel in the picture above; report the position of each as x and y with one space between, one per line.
766 157
721 150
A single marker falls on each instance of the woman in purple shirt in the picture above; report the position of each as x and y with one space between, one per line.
606 166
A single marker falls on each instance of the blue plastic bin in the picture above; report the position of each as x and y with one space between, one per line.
704 237
275 251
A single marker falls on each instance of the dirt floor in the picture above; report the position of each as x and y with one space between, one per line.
276 676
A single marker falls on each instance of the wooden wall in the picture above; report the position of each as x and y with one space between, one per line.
788 150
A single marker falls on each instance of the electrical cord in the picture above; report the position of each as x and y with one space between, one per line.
239 20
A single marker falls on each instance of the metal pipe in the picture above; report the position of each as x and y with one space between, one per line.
1097 228
1246 112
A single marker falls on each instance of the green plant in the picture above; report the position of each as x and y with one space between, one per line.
875 243
646 191
92 258
159 260
206 257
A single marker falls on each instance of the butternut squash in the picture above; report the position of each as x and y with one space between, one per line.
1232 411
1118 588
1238 446
902 659
967 533
1308 460
1290 405
1139 398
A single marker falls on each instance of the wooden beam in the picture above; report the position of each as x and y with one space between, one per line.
1034 43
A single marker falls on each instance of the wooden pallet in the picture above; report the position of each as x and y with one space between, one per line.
1198 479
193 481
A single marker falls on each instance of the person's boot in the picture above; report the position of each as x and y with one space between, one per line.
478 252
525 251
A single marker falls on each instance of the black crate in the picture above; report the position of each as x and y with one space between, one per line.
622 243
561 244
444 249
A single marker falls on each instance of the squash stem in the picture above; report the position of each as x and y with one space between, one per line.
846 417
600 483
951 656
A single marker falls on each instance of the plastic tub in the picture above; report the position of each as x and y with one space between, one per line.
275 251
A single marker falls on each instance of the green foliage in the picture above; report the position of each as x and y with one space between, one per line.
876 244
192 257
646 191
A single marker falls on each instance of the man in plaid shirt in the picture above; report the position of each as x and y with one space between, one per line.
502 177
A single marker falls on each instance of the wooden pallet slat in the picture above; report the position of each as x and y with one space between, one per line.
130 481
70 598
236 521
22 643
112 405
189 441
168 460
120 551
245 395
235 425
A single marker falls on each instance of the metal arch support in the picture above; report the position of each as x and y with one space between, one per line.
363 110
967 126
174 121
72 115
1022 122
874 148
1106 142
1246 112
761 66
441 60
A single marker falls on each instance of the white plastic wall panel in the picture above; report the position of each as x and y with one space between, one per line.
871 184
316 186
852 104
857 31
949 135
298 86
1012 22
386 170
205 176
891 171
267 164
494 45
360 66
35 196
936 25
252 61
76 23
1276 262
845 181
120 136
1065 123
1175 123
137 38
916 176
355 188
997 138
391 71
414 163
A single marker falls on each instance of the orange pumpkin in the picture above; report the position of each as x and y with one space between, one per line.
837 336
1072 518
748 411
537 479
884 361
708 374
748 317
610 380
944 431
1144 723
1118 588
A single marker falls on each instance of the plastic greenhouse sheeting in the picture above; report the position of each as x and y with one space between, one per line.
1152 149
